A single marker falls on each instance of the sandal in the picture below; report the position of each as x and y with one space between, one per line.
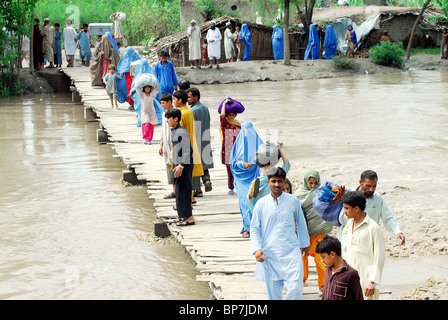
246 234
172 195
208 186
185 223
198 193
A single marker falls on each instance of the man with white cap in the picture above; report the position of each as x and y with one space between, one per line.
214 44
229 48
194 44
48 41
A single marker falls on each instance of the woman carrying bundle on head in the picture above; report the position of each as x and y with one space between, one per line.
229 129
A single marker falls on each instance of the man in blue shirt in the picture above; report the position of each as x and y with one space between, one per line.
279 238
166 77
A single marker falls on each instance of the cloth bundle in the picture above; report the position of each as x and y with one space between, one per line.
146 79
232 106
267 153
324 205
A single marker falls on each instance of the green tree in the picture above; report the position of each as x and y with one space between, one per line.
15 16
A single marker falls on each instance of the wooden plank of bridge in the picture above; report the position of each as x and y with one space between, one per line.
215 244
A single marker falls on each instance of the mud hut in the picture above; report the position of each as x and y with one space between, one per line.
370 22
177 44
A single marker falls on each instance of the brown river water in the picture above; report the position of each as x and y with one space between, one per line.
70 228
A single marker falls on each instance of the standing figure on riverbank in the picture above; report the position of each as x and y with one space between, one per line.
84 45
279 238
204 53
203 138
48 42
57 46
313 48
350 37
330 43
363 244
69 35
385 37
214 44
182 159
38 57
317 227
124 67
444 44
229 130
166 76
244 169
194 44
245 37
229 47
278 43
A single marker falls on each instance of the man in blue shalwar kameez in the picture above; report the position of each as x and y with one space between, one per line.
166 76
276 244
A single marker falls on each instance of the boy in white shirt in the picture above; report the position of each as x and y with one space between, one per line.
363 244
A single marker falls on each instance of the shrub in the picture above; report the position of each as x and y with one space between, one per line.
344 63
389 54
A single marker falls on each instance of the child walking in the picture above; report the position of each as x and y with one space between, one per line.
57 50
341 280
147 90
110 79
230 128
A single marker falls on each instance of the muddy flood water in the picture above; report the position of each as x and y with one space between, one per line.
70 228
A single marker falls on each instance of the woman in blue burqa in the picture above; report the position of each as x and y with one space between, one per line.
124 67
245 36
144 67
313 48
277 43
244 169
330 43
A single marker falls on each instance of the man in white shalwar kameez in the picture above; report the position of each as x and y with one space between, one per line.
117 17
276 244
229 47
194 44
214 44
70 36
48 42
363 244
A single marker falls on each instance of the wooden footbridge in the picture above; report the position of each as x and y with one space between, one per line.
221 255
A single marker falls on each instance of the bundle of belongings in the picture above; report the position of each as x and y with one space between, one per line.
146 79
325 203
232 106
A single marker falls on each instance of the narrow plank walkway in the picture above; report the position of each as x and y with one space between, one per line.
215 244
